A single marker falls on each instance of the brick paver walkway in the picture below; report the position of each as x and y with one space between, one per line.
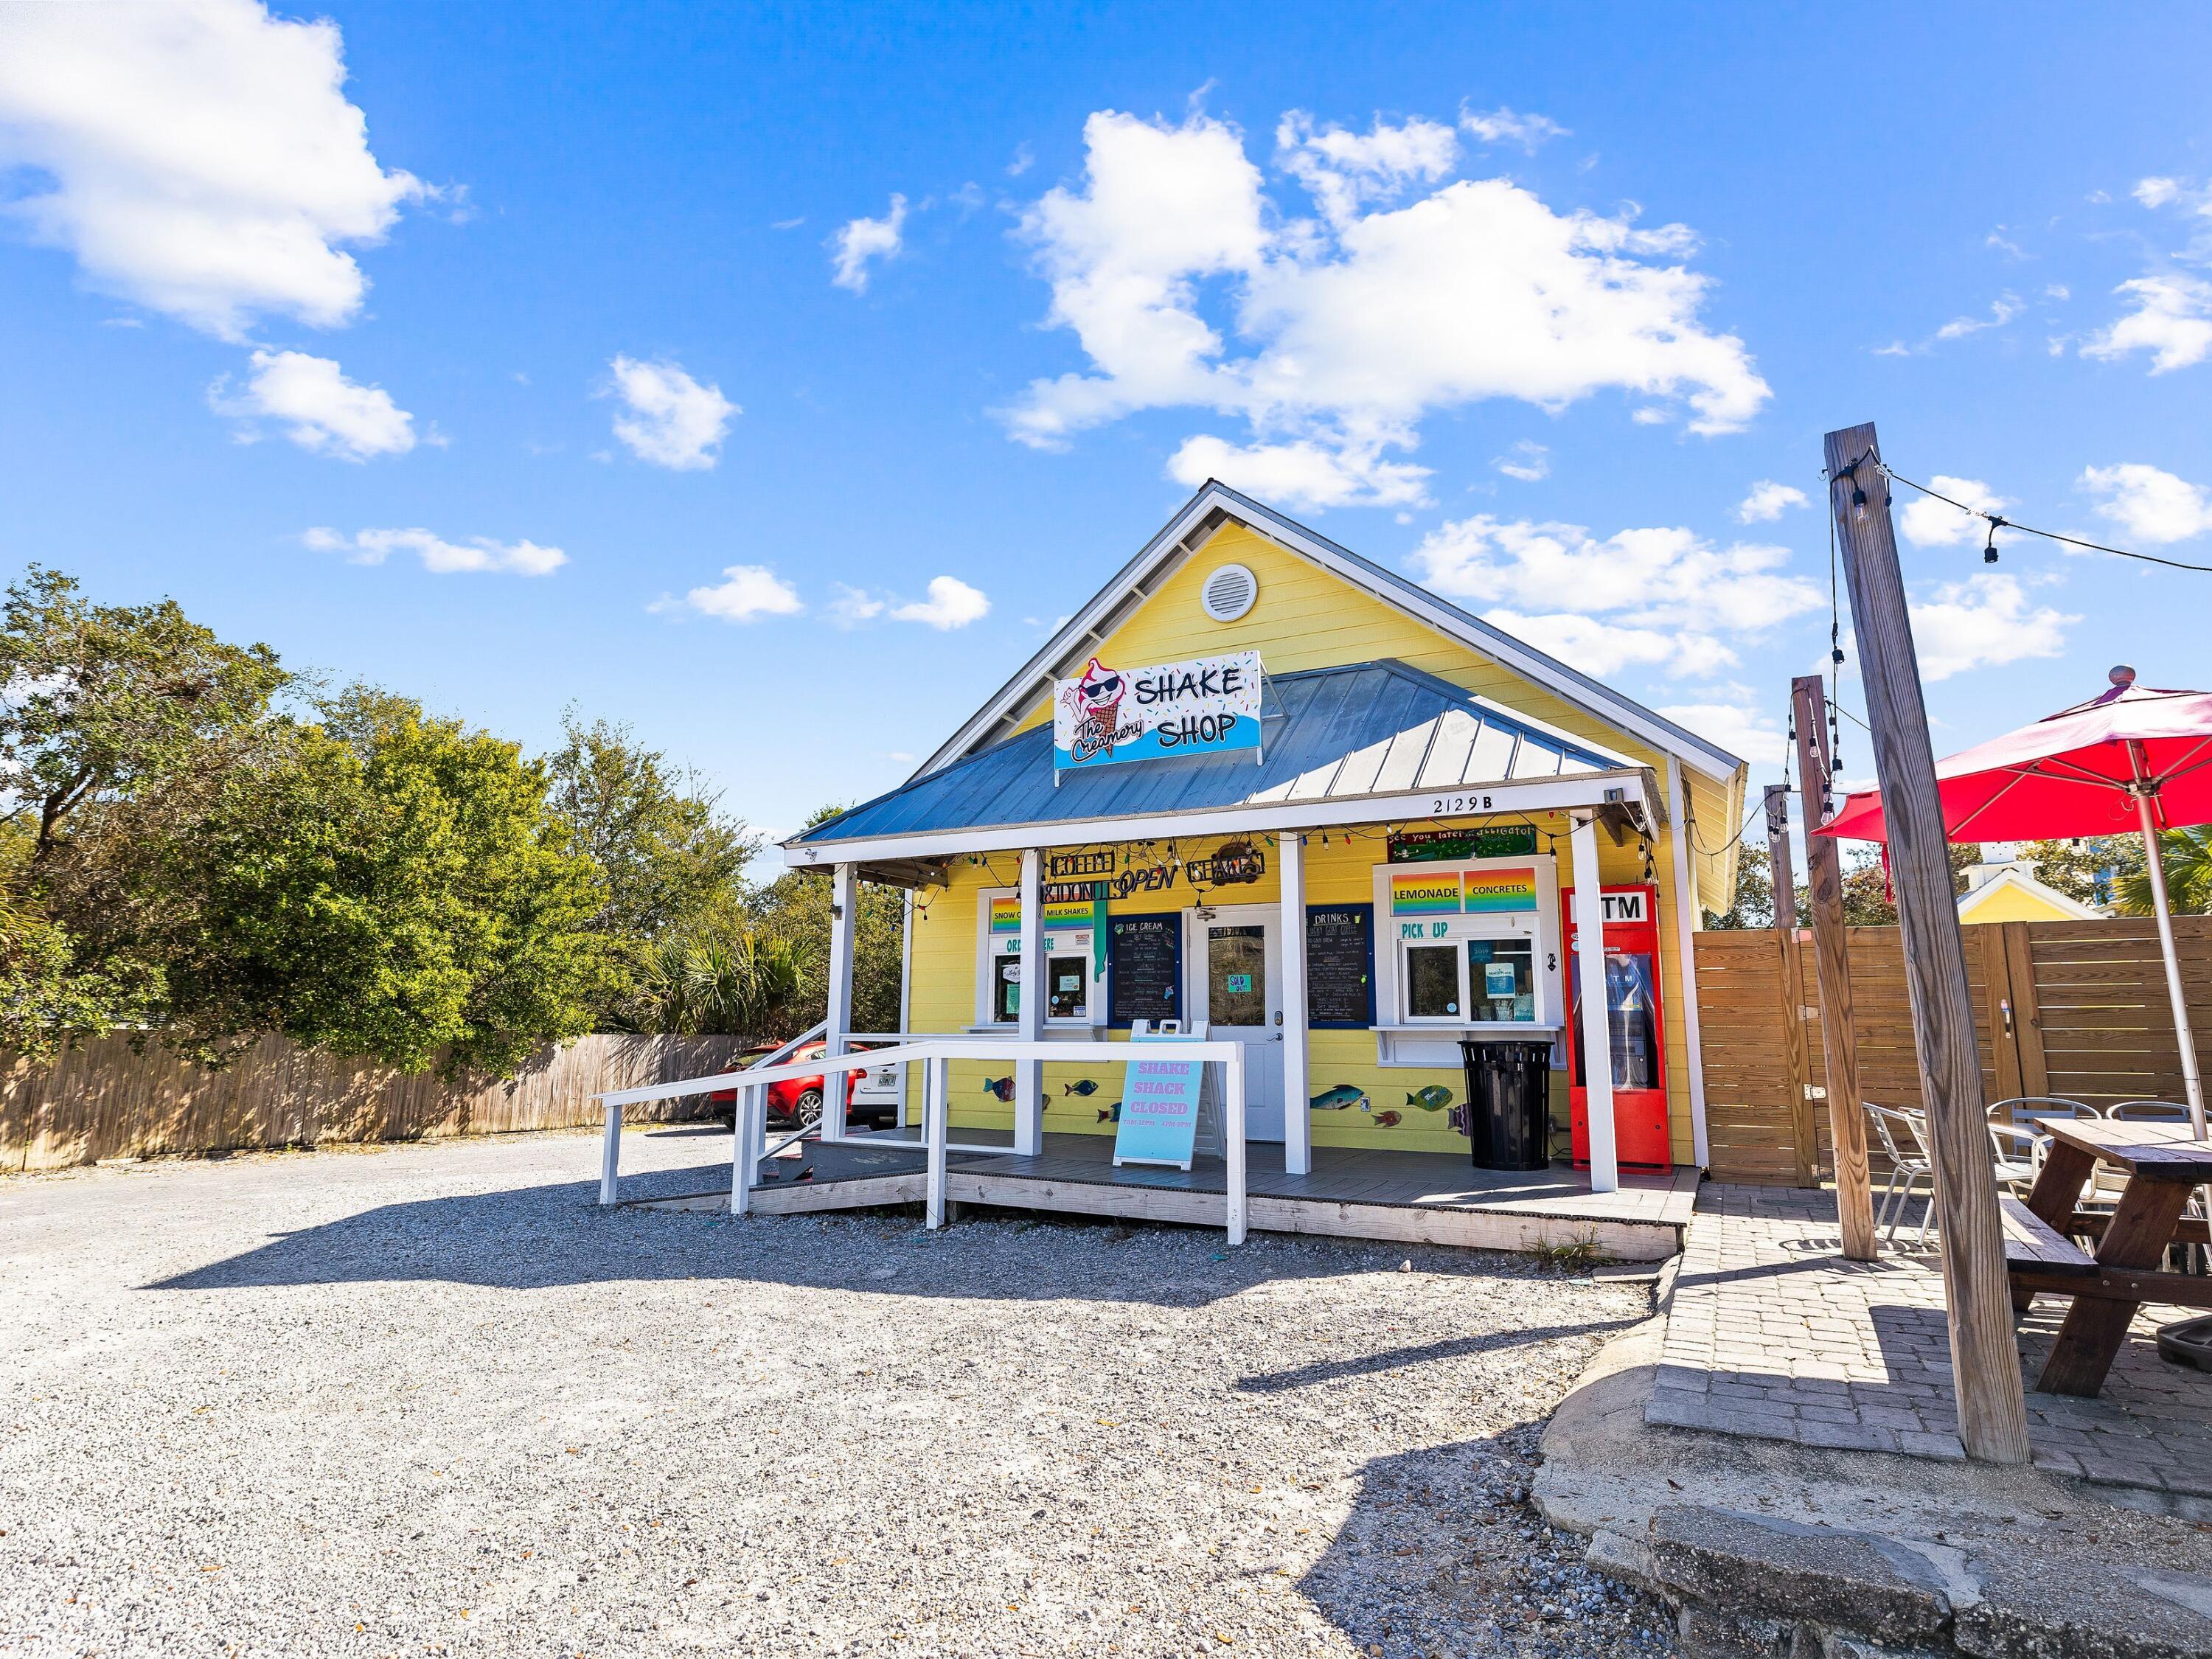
1771 1333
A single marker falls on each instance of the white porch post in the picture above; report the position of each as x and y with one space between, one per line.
1597 1026
610 1156
1232 1141
1028 1074
844 897
748 1114
935 1109
1685 943
1297 1111
906 988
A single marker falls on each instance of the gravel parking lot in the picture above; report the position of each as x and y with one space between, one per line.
429 1400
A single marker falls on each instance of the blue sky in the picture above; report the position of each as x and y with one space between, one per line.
1523 301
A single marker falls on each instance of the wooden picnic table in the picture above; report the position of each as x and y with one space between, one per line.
2164 1165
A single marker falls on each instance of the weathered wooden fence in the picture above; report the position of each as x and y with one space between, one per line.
102 1100
2077 1009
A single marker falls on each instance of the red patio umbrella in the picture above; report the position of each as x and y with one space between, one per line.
2132 758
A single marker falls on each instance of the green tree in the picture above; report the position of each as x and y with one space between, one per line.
666 851
1866 902
1753 905
107 700
2185 855
391 885
2086 868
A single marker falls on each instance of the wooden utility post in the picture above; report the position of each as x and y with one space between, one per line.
1777 857
1804 1135
1985 1358
1832 970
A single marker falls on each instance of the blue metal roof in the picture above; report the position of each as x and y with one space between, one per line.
1370 728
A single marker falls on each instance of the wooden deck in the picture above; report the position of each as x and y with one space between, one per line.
1411 1197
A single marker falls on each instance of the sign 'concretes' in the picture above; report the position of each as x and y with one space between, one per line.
1207 706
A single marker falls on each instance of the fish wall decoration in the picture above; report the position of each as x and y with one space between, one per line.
1434 1098
1336 1099
1003 1087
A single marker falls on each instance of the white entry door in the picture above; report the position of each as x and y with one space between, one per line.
1239 993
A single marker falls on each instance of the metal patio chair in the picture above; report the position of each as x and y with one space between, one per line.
2026 1111
1894 1127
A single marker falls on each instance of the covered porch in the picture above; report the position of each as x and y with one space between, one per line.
1427 1197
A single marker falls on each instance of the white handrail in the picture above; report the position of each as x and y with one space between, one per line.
610 1146
936 1054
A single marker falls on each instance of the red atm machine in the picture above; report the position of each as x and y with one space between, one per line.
1638 1029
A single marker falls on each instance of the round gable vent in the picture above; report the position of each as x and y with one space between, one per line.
1229 593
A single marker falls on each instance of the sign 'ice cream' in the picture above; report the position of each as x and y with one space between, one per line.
1205 706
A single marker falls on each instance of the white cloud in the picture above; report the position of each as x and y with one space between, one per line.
951 604
748 591
860 240
1301 474
1527 461
1982 623
438 555
1345 170
1674 598
2149 505
1745 732
2171 320
1502 125
1349 328
1024 159
1767 501
669 418
320 410
2002 310
197 157
2157 192
1928 522
854 606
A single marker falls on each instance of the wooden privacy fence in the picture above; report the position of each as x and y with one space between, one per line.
102 1100
2077 1009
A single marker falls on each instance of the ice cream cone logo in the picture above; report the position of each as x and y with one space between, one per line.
1098 691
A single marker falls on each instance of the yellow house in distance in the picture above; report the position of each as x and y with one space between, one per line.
2010 892
1261 786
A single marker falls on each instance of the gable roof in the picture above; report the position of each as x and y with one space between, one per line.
2014 878
1184 533
1371 728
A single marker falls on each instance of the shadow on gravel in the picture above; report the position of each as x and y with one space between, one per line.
1442 1553
1331 1370
540 1237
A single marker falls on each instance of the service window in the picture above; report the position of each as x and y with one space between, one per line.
1431 978
1068 988
1065 975
1501 980
1473 946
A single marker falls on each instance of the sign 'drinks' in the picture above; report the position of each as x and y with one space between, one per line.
1199 707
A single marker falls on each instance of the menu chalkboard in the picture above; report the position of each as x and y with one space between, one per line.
1144 976
1340 966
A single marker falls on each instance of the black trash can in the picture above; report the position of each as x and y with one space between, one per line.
1509 1104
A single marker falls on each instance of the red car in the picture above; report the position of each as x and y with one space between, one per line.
872 1097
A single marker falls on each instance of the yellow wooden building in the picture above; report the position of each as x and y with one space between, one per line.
1422 780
